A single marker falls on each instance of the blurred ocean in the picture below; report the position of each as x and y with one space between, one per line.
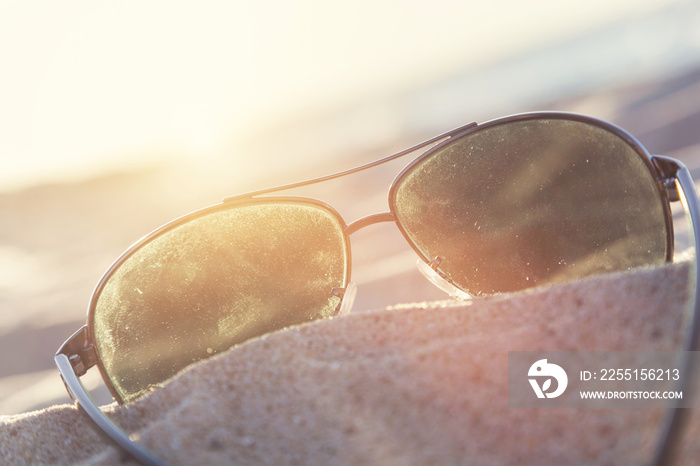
212 85
635 49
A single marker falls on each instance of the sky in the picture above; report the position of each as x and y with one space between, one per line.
88 86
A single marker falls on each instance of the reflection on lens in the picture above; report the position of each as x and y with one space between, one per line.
215 281
532 202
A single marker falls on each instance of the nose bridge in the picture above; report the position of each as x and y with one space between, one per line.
369 220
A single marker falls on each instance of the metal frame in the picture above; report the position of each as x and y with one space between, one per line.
78 353
627 137
85 402
350 171
668 449
90 329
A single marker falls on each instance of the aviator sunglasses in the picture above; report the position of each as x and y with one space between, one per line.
522 201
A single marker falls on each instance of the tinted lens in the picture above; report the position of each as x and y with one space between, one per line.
532 202
214 281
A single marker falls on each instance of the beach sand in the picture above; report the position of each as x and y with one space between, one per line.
414 384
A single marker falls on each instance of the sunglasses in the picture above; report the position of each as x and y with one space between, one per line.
522 201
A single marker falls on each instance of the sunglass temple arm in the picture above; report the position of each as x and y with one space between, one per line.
668 450
73 359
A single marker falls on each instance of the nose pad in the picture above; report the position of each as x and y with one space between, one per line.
429 271
347 298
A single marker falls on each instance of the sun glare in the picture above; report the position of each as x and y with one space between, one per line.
92 86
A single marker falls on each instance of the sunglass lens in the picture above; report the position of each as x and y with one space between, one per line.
532 202
213 281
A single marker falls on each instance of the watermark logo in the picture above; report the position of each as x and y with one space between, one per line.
600 379
547 371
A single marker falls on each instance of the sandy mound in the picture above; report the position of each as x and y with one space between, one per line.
415 384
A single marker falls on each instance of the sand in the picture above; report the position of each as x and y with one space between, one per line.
411 384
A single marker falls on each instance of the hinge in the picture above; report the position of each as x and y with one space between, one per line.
83 360
434 264
667 170
80 352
